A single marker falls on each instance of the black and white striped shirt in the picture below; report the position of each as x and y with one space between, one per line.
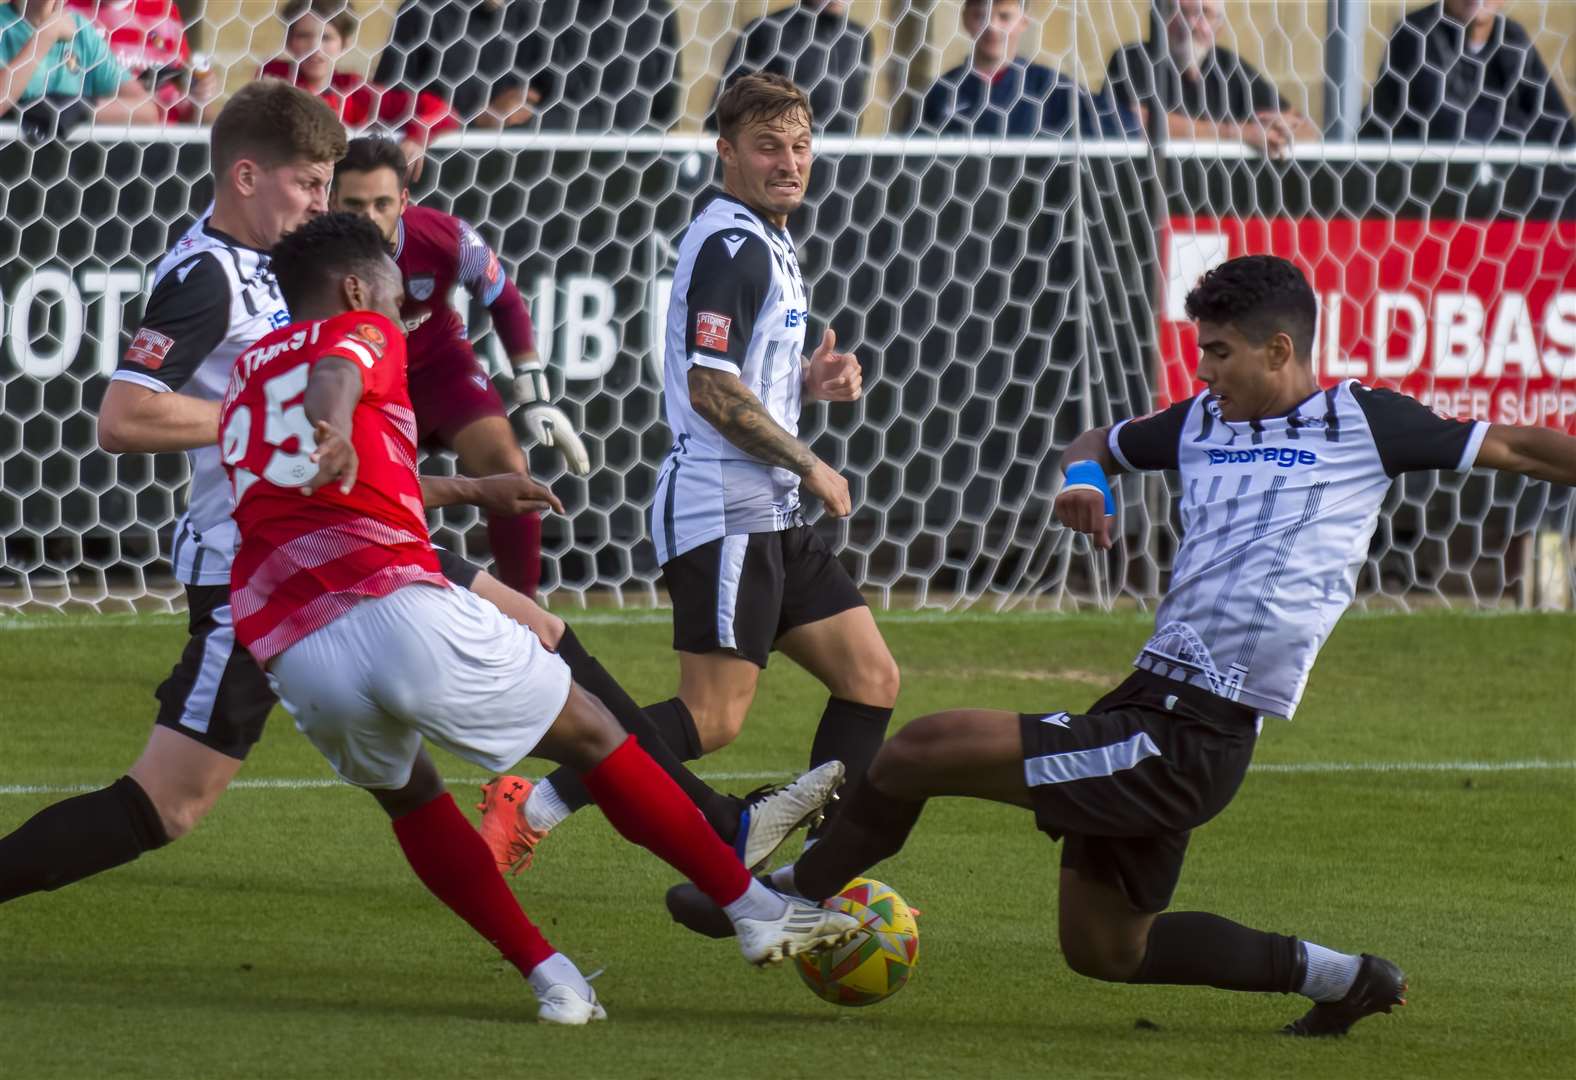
738 305
1277 515
212 298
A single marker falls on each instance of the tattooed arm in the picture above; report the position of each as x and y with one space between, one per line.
738 415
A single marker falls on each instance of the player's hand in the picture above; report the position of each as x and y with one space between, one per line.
833 376
826 484
548 426
1084 511
515 493
335 459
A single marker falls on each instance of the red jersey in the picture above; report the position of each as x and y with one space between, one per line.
436 251
305 560
419 116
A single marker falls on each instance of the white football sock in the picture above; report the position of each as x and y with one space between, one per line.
558 970
758 902
1330 973
544 807
782 880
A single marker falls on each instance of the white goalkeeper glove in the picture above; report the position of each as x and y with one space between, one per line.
544 421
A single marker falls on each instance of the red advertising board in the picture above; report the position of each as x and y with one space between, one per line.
1476 318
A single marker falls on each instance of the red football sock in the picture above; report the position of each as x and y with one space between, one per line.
516 542
649 809
453 861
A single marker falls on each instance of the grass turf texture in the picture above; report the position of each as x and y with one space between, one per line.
287 937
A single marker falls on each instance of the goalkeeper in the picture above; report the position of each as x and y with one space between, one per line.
456 404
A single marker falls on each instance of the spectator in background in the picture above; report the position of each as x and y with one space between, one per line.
1207 92
478 55
612 65
589 65
998 92
148 37
317 35
814 44
56 71
1459 71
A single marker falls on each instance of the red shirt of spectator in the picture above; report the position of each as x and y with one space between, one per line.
318 35
146 35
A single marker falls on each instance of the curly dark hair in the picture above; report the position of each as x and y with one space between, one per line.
1261 296
320 253
370 153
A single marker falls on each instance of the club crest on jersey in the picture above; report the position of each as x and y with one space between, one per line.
420 287
711 331
149 348
371 337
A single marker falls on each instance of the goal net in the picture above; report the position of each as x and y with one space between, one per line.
1003 294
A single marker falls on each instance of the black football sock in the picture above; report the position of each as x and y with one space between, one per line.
673 719
721 811
1194 948
872 826
78 838
851 733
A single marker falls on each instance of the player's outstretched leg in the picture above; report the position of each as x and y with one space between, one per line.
1105 932
647 808
171 787
455 865
518 815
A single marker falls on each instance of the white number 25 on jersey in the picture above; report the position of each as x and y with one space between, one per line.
279 424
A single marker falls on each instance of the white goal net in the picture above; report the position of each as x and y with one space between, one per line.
1003 294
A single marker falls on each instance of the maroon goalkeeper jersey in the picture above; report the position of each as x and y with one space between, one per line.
437 251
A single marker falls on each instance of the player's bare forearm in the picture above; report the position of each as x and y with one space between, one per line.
136 420
738 415
332 392
440 491
1541 453
1093 446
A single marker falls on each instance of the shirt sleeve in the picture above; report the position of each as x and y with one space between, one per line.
377 348
1411 437
187 316
728 286
478 270
1150 442
102 74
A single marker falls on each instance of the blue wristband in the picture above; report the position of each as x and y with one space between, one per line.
1090 476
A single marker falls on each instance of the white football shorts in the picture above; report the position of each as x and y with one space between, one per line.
421 661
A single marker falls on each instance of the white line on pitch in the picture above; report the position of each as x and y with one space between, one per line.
317 783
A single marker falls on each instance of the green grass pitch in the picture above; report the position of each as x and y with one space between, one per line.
286 937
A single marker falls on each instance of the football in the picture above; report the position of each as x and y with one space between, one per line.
879 960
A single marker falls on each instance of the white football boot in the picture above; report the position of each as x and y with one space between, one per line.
771 816
562 1004
802 927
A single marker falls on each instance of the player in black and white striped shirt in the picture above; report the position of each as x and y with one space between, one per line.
747 576
1282 484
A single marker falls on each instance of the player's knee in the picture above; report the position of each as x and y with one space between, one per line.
585 732
914 753
718 723
1106 960
180 813
875 683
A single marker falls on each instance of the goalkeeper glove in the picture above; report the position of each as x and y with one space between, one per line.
544 421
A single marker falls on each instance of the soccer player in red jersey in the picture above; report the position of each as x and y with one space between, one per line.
337 593
456 404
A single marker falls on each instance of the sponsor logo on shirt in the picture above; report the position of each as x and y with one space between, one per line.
416 320
420 287
711 331
1285 457
279 318
796 316
149 348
